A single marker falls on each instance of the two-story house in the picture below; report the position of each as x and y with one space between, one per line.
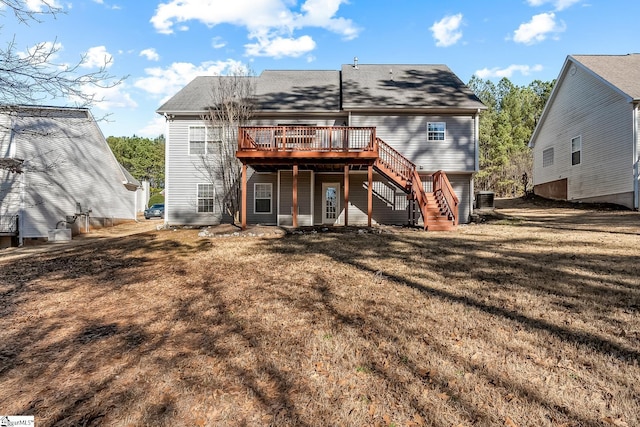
388 144
587 142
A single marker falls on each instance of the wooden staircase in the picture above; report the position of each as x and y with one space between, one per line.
439 209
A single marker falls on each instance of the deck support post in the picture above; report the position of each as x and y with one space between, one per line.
244 197
369 194
346 195
295 195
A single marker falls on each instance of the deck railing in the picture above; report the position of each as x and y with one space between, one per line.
307 138
442 187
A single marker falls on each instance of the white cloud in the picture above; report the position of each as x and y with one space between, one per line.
279 47
271 22
447 30
150 54
97 57
166 82
41 53
109 98
538 29
558 4
41 5
525 70
153 128
218 43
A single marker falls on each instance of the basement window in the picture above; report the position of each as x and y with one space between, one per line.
547 157
436 131
576 150
262 193
206 197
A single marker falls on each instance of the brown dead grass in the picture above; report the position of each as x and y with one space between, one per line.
528 320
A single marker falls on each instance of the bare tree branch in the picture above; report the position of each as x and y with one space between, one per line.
25 14
35 77
232 105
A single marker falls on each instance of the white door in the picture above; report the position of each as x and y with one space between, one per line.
330 202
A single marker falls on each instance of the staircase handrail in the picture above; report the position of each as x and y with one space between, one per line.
442 185
394 160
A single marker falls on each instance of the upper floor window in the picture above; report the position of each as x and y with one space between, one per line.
436 131
206 198
547 157
201 139
576 150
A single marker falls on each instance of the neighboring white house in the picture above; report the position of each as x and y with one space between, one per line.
68 177
366 143
586 144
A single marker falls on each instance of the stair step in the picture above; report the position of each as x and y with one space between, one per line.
440 227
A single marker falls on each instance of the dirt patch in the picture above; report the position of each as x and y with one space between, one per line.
531 319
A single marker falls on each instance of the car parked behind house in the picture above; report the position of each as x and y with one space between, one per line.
156 210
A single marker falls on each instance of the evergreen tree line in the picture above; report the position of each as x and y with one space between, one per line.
142 157
505 129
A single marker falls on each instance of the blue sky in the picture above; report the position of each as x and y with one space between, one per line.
162 45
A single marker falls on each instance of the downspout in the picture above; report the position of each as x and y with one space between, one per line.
476 137
476 131
167 139
636 196
22 209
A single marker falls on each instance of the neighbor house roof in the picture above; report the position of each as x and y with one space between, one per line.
405 86
370 87
80 129
621 71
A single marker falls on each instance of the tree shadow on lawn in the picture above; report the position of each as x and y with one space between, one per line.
585 287
245 338
567 276
59 359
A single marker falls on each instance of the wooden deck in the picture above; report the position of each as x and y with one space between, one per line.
278 145
343 147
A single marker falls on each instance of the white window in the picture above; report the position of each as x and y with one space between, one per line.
206 198
436 131
262 195
547 157
201 139
576 150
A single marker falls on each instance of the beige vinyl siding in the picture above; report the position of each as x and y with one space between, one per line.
462 186
408 135
262 218
389 202
285 207
10 183
585 106
5 136
73 164
184 173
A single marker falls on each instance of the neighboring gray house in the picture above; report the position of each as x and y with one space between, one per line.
393 143
66 169
586 144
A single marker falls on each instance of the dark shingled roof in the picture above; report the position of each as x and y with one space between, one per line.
299 90
404 86
622 71
372 87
